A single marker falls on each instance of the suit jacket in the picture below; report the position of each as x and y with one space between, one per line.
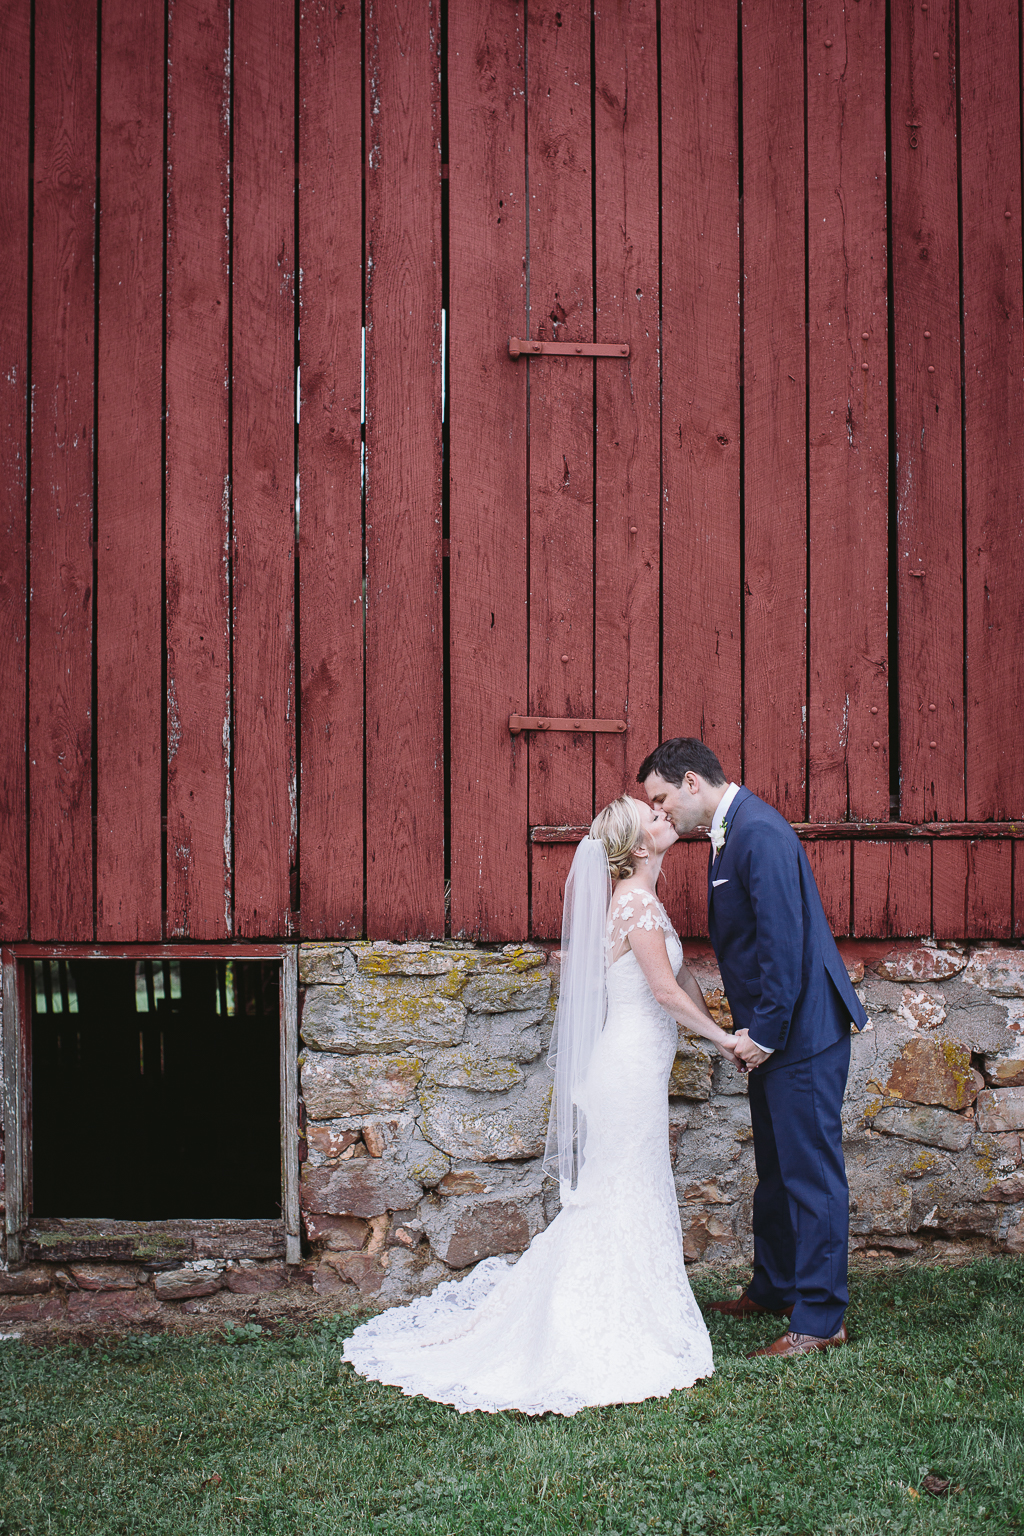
782 973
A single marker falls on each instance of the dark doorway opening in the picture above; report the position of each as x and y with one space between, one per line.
155 1088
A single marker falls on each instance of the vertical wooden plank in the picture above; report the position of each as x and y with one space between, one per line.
949 889
263 467
330 470
61 573
129 503
549 867
701 683
487 438
831 866
892 889
627 520
684 888
1018 889
990 163
198 619
926 323
404 661
15 123
989 907
15 1108
289 1114
558 125
775 396
871 890
848 719
910 888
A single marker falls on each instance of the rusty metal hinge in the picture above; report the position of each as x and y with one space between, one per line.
517 723
526 348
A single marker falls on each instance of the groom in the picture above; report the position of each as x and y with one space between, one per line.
793 1005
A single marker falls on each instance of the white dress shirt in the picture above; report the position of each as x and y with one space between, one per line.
716 821
723 809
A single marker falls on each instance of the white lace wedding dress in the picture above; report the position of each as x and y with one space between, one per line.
598 1310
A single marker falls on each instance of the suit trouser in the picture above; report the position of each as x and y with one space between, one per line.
801 1204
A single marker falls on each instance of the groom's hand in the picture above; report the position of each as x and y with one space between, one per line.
747 1051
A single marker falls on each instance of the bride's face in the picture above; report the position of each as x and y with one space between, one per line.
658 831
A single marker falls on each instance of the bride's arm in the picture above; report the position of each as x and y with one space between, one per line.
652 956
686 980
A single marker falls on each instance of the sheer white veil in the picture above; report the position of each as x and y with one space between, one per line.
580 1014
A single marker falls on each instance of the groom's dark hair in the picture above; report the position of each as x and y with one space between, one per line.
674 759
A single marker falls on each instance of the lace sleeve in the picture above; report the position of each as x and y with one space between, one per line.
633 909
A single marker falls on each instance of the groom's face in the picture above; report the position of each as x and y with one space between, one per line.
683 803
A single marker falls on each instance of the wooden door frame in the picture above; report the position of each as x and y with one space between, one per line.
17 1065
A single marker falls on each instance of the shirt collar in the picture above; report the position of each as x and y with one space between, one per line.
723 808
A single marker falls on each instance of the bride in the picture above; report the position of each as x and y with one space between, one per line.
598 1310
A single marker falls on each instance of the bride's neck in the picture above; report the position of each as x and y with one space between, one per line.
649 872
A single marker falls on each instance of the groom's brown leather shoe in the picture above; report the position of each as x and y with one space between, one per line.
800 1344
744 1307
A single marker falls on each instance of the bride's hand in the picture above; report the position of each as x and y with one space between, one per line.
728 1049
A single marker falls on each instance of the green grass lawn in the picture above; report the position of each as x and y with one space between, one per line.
272 1434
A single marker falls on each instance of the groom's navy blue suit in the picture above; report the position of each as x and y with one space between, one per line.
786 983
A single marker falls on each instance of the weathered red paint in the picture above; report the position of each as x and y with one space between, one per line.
265 789
15 81
198 618
129 629
61 454
627 553
848 404
774 407
702 658
404 662
990 173
591 518
926 326
561 490
330 448
488 496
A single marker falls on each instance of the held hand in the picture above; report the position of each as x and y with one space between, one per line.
746 1051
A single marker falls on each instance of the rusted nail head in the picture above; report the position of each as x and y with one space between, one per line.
876 743
865 367
828 42
865 335
874 709
565 658
927 333
931 368
933 744
632 528
932 708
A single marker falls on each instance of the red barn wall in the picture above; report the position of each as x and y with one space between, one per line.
262 626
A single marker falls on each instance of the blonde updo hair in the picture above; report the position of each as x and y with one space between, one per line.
619 827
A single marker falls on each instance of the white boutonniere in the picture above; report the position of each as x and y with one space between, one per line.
717 836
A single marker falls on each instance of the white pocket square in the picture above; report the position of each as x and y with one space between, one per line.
721 882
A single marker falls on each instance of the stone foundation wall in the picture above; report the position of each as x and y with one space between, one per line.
108 1295
426 1095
